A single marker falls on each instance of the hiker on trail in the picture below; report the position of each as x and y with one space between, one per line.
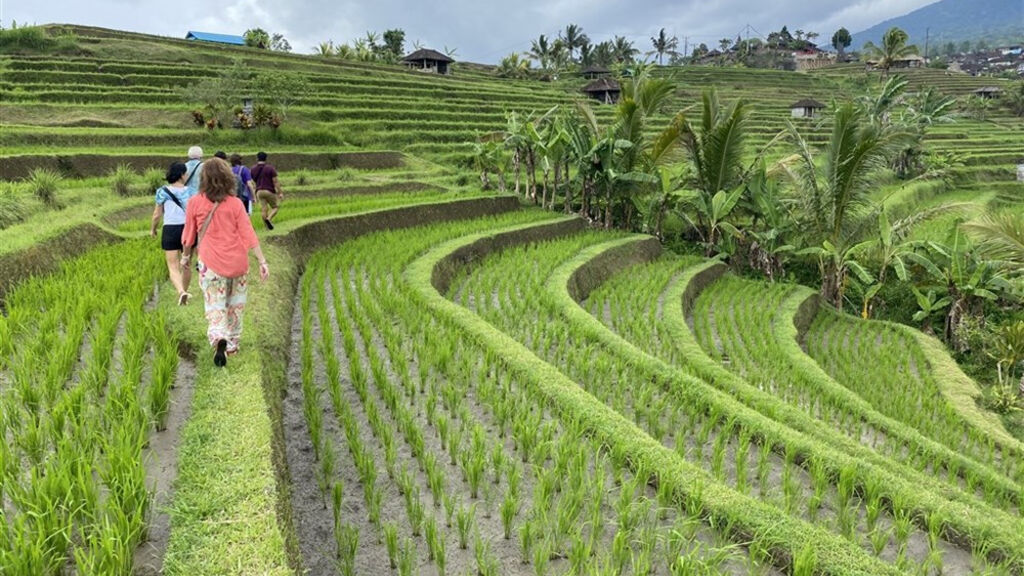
171 202
247 187
268 189
195 169
217 222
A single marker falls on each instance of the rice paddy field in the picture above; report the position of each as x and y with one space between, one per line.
440 379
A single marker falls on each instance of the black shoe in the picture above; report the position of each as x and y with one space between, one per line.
220 357
266 222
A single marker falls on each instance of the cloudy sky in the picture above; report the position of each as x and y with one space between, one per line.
480 30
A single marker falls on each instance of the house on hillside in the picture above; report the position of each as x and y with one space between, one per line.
988 92
604 90
806 108
427 60
595 72
912 61
218 38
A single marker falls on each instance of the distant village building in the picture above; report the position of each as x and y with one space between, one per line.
595 72
603 89
806 108
218 38
912 61
428 60
812 58
988 92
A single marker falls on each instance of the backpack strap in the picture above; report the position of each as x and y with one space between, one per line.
193 173
202 232
174 198
206 223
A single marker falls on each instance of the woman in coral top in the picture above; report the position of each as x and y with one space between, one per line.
216 219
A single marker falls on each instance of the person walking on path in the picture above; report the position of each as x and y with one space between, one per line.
171 201
217 222
195 169
268 189
248 187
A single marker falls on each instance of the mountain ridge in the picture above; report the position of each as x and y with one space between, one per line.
995 21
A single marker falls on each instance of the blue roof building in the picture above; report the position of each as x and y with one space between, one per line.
210 37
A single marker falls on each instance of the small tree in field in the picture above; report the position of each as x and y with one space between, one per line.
281 89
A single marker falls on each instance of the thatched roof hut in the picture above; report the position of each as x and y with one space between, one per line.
428 60
604 89
806 108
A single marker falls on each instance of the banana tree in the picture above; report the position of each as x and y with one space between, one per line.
488 157
967 279
515 141
772 224
929 304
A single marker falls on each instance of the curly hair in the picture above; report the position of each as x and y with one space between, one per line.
217 181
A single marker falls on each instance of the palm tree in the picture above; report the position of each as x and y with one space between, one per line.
716 151
619 158
604 54
835 200
623 50
1000 237
894 47
663 45
586 54
324 49
574 38
512 66
540 50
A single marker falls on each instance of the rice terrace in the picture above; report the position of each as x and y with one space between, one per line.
589 311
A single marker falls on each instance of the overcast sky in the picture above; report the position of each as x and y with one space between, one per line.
480 30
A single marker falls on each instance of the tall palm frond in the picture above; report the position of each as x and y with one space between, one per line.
1000 236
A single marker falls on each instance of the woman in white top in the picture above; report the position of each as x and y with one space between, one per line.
171 201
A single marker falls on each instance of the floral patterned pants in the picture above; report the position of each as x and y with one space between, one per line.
224 299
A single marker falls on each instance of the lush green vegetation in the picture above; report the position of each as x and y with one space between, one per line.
439 379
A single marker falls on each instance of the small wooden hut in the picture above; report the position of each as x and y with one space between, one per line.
428 60
595 72
989 92
604 90
806 108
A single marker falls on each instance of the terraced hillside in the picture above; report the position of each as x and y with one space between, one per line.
436 379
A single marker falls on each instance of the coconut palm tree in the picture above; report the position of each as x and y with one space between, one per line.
324 48
835 202
540 50
663 44
604 54
586 54
894 47
512 66
1000 236
715 148
574 38
623 50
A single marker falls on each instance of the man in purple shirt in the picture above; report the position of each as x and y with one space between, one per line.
268 189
